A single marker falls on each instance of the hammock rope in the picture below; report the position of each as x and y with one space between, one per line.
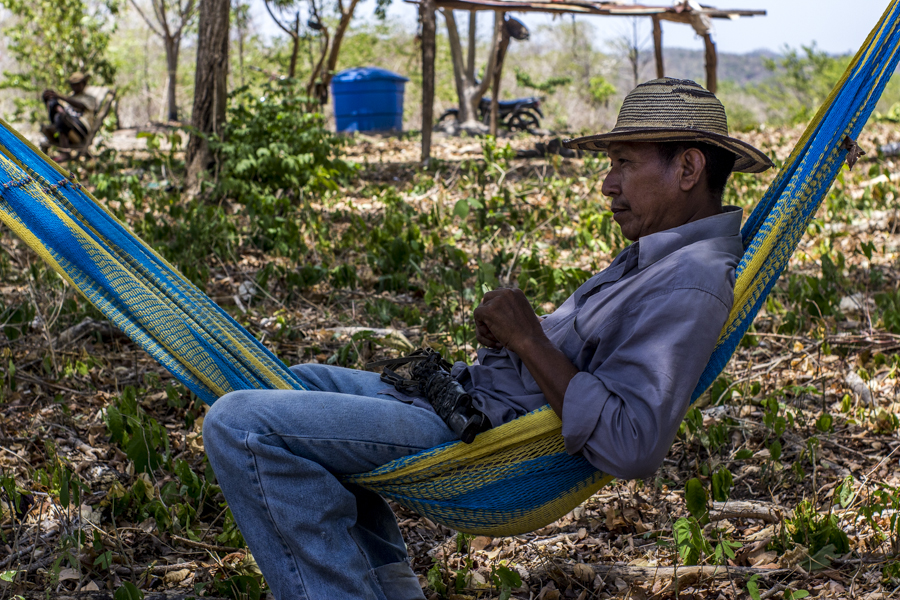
512 479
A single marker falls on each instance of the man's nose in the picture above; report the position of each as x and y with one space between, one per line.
611 185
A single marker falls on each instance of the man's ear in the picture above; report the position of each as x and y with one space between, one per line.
691 164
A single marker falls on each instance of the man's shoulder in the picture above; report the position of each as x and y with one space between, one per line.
706 265
86 99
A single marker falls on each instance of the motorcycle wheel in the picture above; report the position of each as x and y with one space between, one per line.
447 115
523 120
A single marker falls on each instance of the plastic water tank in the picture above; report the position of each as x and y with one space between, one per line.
368 99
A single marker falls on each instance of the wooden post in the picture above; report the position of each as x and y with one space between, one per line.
657 46
498 72
426 14
711 62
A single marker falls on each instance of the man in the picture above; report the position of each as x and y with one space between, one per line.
71 117
617 362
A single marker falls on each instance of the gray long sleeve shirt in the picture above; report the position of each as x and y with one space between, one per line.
640 333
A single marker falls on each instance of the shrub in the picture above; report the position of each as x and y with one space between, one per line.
273 154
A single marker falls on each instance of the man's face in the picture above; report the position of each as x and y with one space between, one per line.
644 189
77 88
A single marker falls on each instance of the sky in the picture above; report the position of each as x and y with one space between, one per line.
836 26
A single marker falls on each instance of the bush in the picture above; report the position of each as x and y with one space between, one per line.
274 153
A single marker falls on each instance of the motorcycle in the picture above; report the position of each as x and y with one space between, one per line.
521 114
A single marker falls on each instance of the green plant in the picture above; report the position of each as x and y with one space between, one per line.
722 482
144 440
128 591
273 155
801 81
881 510
548 86
505 580
601 90
821 534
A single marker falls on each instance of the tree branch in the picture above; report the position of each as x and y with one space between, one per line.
284 28
470 49
338 39
495 48
455 53
146 20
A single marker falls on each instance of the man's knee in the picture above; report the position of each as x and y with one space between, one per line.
221 425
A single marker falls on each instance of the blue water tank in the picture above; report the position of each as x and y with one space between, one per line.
368 99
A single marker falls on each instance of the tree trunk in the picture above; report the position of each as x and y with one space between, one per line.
336 42
210 87
468 90
426 14
295 49
171 45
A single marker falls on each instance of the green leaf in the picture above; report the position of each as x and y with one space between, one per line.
461 209
696 499
845 492
820 560
65 476
508 577
743 454
775 450
722 481
128 591
436 579
752 588
8 576
825 423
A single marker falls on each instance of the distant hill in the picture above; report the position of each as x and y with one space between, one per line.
737 68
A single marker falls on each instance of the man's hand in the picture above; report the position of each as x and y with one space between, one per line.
505 319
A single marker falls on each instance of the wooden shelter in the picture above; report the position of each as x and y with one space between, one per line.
689 12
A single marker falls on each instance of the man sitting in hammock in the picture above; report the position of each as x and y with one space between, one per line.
71 117
617 362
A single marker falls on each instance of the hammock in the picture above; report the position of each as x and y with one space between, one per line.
514 478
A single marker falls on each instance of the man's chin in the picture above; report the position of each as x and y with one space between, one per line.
622 219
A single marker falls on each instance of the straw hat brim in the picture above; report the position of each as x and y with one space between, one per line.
749 159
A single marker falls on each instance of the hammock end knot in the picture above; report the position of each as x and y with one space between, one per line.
853 150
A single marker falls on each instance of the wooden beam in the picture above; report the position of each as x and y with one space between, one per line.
711 62
426 14
498 72
657 47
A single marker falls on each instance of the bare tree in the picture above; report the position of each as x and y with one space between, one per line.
469 89
241 16
633 44
210 87
171 19
286 15
323 71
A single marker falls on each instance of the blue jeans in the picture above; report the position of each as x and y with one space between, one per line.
278 456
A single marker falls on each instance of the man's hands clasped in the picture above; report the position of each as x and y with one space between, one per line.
505 319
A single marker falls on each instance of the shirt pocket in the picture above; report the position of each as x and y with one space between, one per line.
571 343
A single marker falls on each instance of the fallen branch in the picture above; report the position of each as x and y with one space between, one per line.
380 332
763 511
210 547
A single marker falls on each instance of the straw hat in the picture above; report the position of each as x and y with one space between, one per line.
675 110
77 77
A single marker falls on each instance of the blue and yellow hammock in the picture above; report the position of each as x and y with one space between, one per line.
515 478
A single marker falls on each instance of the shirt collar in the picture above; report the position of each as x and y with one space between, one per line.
658 245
